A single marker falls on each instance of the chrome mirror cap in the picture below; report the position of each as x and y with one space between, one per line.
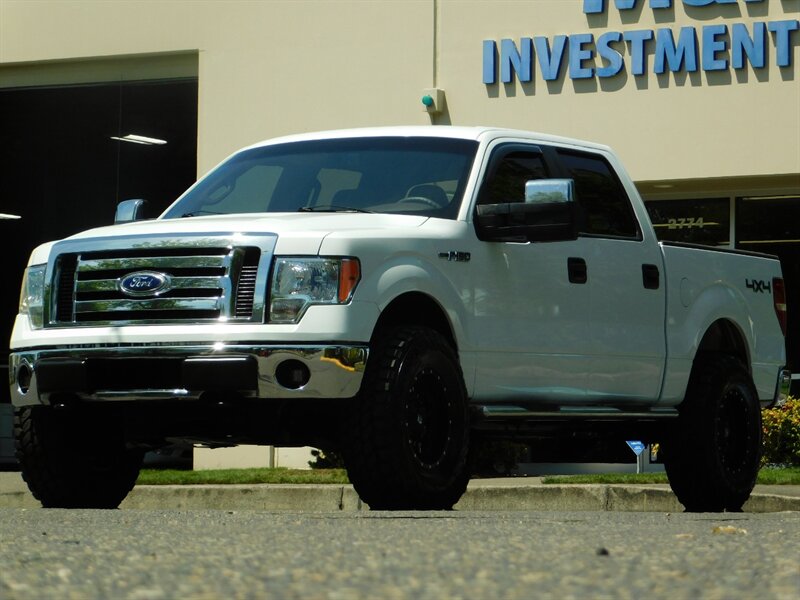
549 191
130 210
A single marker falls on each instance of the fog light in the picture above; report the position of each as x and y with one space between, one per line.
24 375
292 374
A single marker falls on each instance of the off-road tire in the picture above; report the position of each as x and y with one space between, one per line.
712 454
70 460
406 434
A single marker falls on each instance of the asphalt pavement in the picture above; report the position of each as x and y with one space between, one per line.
501 494
512 555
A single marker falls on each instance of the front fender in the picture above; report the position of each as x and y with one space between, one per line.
412 274
416 261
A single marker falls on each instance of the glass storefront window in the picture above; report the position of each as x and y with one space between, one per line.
701 221
771 224
766 221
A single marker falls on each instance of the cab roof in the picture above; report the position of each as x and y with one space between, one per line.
478 134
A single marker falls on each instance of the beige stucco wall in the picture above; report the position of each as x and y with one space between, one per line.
272 67
665 127
253 457
265 68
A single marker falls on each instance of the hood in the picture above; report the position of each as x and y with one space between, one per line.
299 230
277 223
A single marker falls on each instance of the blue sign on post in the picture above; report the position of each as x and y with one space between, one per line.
637 447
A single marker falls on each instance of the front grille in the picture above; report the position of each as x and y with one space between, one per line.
202 284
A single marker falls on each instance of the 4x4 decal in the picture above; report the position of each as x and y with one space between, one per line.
758 286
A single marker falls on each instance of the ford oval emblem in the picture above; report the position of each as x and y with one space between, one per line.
144 283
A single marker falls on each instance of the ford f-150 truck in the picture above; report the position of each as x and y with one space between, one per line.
397 294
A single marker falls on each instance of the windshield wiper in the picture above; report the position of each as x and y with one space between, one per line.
332 208
197 213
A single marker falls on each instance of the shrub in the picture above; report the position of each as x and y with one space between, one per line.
782 434
326 459
491 458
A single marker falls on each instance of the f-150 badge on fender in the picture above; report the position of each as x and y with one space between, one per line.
144 283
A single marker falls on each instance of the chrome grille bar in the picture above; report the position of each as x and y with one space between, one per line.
150 304
112 285
154 262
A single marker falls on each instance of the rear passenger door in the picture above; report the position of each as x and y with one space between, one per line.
625 286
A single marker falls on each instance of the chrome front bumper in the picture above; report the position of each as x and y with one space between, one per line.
142 372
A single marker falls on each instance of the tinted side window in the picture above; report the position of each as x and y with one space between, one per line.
605 204
507 179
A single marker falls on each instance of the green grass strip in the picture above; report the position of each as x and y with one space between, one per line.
779 476
240 476
767 476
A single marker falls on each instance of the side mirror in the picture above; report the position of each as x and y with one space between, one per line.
548 214
130 210
549 191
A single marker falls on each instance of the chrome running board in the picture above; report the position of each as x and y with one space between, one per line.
506 411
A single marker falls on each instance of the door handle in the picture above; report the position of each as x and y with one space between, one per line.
577 271
651 277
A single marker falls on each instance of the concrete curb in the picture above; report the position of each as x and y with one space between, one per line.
589 497
18 500
342 498
272 497
327 498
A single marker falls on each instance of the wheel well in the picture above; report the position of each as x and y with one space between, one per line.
416 308
723 337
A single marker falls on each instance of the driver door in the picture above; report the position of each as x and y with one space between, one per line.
531 307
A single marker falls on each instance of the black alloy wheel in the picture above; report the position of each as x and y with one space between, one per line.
407 433
712 455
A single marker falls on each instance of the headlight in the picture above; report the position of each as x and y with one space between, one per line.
297 283
31 298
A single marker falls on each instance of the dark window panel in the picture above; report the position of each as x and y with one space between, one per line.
62 172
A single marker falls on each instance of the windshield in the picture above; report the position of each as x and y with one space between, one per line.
400 175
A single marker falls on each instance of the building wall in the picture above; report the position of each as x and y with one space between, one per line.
670 126
265 68
272 67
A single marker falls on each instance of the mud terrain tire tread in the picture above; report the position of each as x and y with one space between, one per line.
409 367
68 465
712 455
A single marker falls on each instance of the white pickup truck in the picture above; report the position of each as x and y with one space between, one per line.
397 294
